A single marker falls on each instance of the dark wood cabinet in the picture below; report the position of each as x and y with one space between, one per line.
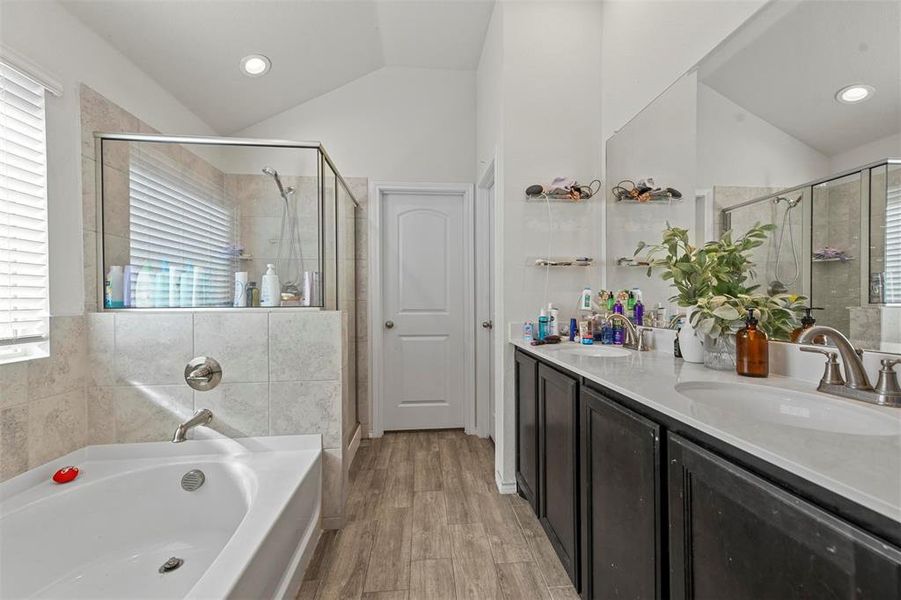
734 535
558 454
527 428
621 501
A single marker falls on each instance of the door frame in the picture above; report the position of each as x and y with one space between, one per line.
377 189
483 285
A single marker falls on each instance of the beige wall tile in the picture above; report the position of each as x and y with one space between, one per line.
147 413
306 407
13 441
153 348
64 370
239 341
239 409
13 384
304 346
56 426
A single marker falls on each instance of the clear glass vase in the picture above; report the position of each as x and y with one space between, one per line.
719 352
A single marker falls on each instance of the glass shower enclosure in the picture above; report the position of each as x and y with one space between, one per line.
190 222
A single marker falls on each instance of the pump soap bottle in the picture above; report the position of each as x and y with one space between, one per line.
807 321
752 358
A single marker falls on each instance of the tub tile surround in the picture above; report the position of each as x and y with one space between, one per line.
42 401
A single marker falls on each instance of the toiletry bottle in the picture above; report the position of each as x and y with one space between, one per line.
611 300
161 287
144 288
173 286
751 349
618 306
113 296
585 333
128 285
619 334
630 306
807 321
585 299
573 330
542 324
553 326
527 333
271 290
186 287
253 294
638 312
240 289
197 291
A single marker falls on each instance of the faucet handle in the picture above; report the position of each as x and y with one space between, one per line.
887 384
831 375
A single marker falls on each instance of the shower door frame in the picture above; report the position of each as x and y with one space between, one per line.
323 158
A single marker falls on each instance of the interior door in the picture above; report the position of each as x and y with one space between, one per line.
423 242
491 320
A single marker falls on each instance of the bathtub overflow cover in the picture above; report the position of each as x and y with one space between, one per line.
192 480
171 564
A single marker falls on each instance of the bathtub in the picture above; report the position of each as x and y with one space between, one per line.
247 532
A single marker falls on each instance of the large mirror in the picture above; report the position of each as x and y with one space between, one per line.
794 122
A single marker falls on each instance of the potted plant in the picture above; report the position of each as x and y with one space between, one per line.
718 317
718 268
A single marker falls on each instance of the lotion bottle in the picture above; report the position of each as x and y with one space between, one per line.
752 353
271 289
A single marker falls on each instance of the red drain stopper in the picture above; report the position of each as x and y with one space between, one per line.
65 475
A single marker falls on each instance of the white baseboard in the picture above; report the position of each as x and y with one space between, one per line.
504 487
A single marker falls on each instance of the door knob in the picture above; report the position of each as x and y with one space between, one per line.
487 324
389 324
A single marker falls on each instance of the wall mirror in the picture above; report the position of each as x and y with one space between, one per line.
795 121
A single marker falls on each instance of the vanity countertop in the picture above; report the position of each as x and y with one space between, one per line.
865 469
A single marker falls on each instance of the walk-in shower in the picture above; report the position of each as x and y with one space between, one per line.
297 285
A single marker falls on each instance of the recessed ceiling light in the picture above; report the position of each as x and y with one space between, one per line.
254 65
852 94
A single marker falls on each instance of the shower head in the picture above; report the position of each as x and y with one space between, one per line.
791 203
274 174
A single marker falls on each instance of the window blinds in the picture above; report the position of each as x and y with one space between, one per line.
24 293
892 283
180 227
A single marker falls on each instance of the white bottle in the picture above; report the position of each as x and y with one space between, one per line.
186 287
129 283
553 326
271 289
114 296
240 289
585 299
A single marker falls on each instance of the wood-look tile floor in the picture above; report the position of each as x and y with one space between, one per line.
424 520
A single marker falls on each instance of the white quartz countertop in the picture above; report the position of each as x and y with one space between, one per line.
865 469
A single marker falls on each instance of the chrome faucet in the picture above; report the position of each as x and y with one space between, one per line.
201 417
634 339
855 385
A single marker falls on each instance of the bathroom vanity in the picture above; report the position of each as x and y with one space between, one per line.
656 478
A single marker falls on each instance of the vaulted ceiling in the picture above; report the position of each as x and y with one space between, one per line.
193 47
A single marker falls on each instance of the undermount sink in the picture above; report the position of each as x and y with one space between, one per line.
597 351
790 408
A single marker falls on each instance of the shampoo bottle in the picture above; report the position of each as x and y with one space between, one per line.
543 320
553 325
807 321
114 296
752 357
271 290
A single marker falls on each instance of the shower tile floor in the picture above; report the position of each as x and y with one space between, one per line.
424 520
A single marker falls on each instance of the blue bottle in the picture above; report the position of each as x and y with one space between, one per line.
543 321
639 313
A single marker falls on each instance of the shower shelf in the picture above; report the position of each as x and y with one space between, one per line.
664 201
554 198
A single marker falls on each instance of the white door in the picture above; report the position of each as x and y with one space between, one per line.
423 296
484 334
491 321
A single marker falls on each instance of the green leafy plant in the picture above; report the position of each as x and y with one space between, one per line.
717 268
721 314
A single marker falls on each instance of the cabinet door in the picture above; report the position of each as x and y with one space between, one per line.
558 398
621 501
527 428
734 535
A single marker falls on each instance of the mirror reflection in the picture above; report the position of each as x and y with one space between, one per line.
789 123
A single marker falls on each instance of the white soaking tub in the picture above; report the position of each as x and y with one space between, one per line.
246 532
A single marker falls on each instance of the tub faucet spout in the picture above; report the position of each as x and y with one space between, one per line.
201 417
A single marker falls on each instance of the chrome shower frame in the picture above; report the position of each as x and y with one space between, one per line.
324 162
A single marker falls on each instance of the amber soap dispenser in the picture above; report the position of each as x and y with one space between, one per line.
752 353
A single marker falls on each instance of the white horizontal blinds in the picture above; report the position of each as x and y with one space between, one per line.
24 294
182 234
892 284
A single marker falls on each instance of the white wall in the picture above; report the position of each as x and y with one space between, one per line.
47 35
887 147
397 124
738 148
647 45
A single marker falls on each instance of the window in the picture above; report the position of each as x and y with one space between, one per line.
24 290
892 283
179 225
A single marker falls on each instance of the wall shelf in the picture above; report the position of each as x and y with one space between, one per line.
560 261
553 198
831 260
